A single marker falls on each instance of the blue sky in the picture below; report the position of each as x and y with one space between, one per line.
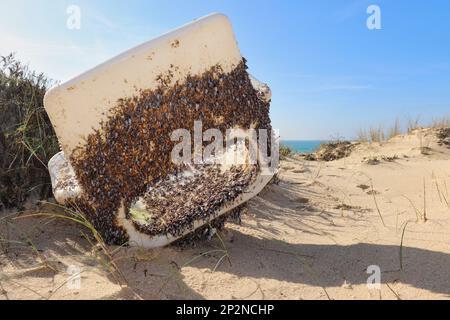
330 75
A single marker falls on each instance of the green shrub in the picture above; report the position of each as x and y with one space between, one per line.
27 139
285 152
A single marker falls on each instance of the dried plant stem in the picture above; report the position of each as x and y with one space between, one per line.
376 203
424 201
401 246
418 213
392 290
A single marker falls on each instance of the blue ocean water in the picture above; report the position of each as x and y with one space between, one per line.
303 146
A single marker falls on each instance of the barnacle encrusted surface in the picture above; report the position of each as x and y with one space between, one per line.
209 230
131 151
172 205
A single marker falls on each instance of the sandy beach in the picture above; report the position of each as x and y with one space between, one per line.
311 235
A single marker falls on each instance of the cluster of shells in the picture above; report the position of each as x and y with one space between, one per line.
129 156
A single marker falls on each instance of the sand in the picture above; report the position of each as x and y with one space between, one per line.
312 236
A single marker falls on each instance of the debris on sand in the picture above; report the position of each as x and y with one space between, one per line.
390 158
130 155
372 161
363 187
332 151
443 136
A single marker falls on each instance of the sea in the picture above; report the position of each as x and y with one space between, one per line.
303 146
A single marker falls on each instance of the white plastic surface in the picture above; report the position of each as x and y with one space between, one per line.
78 106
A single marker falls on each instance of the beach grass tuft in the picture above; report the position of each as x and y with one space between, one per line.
378 134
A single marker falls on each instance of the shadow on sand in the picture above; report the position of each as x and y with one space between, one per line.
306 264
157 274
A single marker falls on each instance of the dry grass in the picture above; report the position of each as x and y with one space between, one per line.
375 134
379 134
442 190
75 215
376 203
285 152
362 136
442 122
106 257
100 251
413 124
424 145
401 245
395 129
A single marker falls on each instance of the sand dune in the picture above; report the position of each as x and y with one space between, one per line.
311 236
